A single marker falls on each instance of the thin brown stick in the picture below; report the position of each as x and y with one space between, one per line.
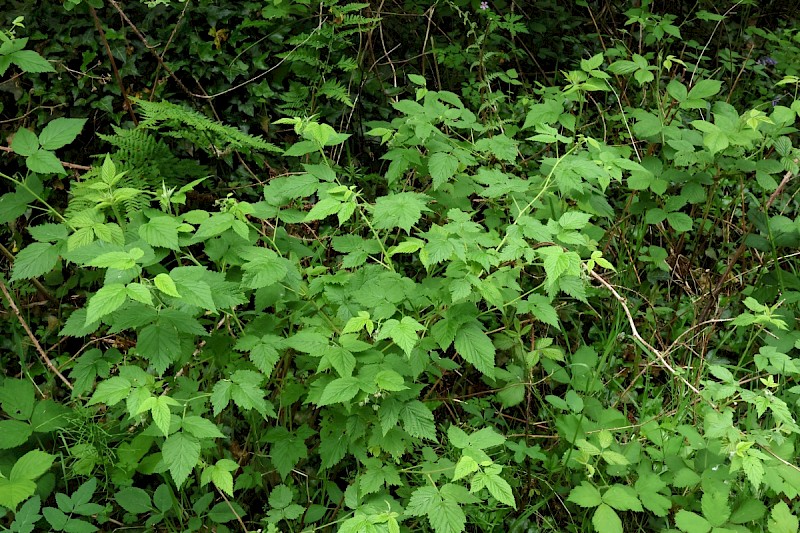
638 337
73 166
166 46
102 33
36 344
740 250
238 518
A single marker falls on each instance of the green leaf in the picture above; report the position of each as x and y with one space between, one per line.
339 390
753 468
31 465
442 166
180 452
680 222
248 394
541 308
25 142
500 490
161 231
401 210
159 343
390 380
606 520
418 420
221 395
782 520
280 497
357 323
677 90
35 260
557 262
715 507
623 67
159 407
200 427
57 518
25 519
263 267
105 301
60 132
476 347
17 398
14 433
82 497
222 478
685 477
118 260
134 500
263 351
588 65
12 493
716 141
323 209
622 498
691 522
44 162
423 501
499 146
585 495
214 225
111 391
486 438
342 360
140 293
402 332
465 466
647 487
704 89
30 61
447 517
287 449
165 284
301 148
750 510
49 415
574 220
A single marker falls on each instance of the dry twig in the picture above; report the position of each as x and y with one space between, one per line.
33 338
635 332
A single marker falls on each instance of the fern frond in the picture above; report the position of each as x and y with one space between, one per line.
334 90
193 126
295 100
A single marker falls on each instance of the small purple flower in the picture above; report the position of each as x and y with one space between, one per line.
776 100
767 61
484 6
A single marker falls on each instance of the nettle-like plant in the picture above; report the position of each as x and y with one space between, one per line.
455 247
370 349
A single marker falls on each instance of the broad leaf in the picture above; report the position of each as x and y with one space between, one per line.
401 210
476 347
60 132
442 167
585 495
180 452
339 390
105 301
30 61
45 162
25 142
35 260
606 520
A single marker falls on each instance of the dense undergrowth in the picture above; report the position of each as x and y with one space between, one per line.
380 267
